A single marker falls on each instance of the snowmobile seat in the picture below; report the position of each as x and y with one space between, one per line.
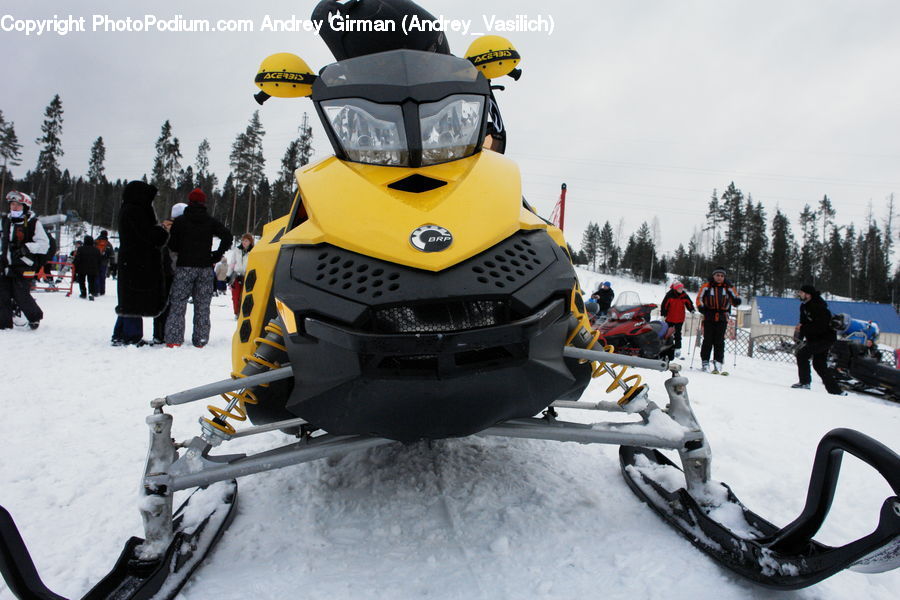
660 327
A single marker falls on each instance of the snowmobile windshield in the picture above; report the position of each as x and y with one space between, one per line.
403 108
399 68
628 299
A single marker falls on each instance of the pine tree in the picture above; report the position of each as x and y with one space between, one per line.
166 165
807 271
713 221
732 207
296 155
206 181
590 243
607 246
755 259
848 249
781 256
47 170
835 265
248 164
10 150
95 174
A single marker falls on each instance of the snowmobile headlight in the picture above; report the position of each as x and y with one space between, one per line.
287 316
627 316
368 132
450 128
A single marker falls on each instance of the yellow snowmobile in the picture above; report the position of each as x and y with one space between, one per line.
411 293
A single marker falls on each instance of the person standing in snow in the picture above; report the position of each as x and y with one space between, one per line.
714 301
604 297
168 259
191 240
106 258
23 242
221 282
87 268
675 304
817 334
141 287
237 268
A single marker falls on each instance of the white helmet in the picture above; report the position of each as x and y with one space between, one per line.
15 196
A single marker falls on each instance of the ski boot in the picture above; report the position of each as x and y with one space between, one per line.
705 366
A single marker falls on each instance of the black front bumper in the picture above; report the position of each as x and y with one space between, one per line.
414 386
407 354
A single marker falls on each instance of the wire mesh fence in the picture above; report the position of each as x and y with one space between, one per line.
774 347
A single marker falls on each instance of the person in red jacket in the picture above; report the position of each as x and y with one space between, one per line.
674 305
714 301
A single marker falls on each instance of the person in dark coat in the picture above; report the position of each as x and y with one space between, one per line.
191 240
675 304
159 322
817 334
23 243
141 286
604 297
87 266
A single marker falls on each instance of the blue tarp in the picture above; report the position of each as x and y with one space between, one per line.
786 311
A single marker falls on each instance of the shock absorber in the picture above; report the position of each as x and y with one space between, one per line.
584 336
269 353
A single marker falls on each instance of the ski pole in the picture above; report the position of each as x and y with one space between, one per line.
734 361
696 337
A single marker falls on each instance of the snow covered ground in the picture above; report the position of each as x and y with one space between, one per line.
470 518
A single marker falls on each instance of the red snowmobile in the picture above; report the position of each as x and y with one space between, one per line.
629 327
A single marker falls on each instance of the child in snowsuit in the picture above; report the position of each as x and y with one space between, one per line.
673 308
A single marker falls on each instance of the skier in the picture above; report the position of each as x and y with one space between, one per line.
191 239
604 297
23 242
87 268
714 301
816 331
673 307
237 268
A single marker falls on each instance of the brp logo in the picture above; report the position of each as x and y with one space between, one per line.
431 238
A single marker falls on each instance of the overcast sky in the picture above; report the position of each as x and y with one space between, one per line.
642 107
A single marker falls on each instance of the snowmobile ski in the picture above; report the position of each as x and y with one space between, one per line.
781 558
197 529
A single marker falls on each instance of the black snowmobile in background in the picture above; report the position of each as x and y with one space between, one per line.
857 361
410 294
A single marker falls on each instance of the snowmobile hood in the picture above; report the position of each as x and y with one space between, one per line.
377 211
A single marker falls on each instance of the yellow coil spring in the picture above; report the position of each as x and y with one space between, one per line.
601 368
238 400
